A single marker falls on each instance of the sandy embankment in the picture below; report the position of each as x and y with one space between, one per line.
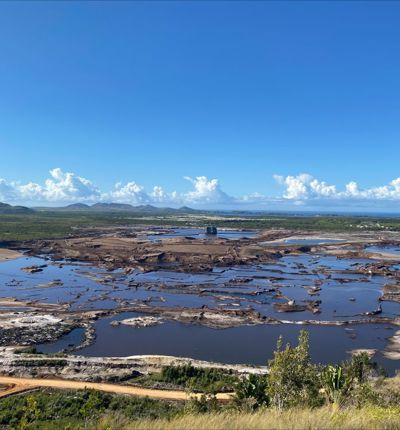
9 254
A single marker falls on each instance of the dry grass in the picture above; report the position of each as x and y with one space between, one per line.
371 418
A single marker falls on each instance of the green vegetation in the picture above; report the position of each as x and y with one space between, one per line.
8 209
295 394
295 381
57 224
251 393
27 350
370 417
41 362
76 409
194 379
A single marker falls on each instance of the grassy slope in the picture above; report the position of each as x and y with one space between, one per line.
371 418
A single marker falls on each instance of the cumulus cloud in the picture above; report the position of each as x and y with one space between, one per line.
60 187
304 187
159 195
66 187
128 193
302 190
206 190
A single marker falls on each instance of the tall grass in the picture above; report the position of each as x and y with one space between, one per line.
371 418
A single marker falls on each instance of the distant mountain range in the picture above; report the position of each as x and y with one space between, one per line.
116 207
8 209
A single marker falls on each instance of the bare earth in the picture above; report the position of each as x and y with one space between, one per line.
9 254
25 384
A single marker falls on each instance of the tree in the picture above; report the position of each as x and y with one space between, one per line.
292 379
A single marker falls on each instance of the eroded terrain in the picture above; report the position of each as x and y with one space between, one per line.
226 299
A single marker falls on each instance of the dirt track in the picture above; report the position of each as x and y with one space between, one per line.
24 384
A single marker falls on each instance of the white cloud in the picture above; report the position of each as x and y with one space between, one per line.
66 187
7 190
205 191
296 186
298 190
128 193
304 187
352 189
61 187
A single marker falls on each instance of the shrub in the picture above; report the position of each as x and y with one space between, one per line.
251 392
205 404
292 378
209 380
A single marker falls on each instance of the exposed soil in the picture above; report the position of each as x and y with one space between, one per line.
188 255
23 384
9 254
118 249
31 322
99 369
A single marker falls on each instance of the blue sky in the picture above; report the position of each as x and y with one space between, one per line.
144 94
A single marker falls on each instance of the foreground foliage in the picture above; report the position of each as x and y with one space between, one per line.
371 418
295 381
295 394
70 409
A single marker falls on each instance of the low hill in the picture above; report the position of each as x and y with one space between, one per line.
77 207
112 207
118 207
8 209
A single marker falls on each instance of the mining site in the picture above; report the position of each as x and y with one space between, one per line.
113 302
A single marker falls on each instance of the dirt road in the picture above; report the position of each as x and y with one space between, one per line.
24 384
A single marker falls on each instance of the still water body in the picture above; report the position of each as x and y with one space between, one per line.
249 344
389 249
200 234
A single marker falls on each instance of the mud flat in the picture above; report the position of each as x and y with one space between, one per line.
227 318
222 300
186 255
9 254
391 293
26 328
29 323
392 350
139 322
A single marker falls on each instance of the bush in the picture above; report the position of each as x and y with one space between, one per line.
348 383
77 407
251 392
292 378
196 379
207 403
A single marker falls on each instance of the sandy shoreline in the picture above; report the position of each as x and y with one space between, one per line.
9 254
